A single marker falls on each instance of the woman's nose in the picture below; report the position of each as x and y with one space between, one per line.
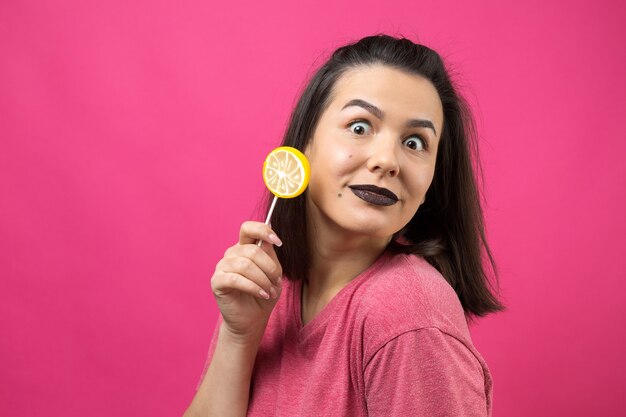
383 158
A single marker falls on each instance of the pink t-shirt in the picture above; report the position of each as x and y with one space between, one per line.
393 342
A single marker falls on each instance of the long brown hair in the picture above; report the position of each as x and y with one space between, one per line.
448 229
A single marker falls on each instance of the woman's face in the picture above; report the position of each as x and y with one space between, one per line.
373 152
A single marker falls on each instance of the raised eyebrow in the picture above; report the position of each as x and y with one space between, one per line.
381 114
367 106
421 123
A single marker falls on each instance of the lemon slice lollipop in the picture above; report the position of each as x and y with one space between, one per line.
286 174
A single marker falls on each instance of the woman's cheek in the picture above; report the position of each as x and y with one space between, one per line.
346 158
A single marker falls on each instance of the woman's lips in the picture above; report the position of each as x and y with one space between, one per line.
374 195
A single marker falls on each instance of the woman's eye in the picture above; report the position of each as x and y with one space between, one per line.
360 127
415 142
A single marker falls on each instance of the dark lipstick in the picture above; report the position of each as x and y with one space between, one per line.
374 195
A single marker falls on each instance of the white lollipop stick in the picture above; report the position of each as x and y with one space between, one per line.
269 216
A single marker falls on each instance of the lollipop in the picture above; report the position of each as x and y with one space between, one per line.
286 174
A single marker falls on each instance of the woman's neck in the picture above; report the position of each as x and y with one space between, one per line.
338 256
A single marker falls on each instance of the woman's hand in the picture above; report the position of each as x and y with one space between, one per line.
247 282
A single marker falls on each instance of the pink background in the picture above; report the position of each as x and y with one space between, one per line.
131 139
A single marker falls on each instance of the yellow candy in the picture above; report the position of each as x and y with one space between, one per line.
286 172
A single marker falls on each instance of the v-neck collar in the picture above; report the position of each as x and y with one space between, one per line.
317 322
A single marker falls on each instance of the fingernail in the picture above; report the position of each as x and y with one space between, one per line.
264 294
275 240
273 292
279 282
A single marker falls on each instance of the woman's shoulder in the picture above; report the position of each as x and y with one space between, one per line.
407 294
410 282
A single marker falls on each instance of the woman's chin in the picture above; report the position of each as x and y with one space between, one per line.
368 228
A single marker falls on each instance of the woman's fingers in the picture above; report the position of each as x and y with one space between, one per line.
224 282
269 250
253 264
249 268
264 258
251 232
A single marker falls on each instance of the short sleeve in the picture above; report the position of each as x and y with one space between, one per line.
212 345
426 372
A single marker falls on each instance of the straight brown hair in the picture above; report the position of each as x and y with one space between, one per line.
448 229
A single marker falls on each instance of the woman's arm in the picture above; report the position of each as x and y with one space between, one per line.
225 389
246 285
427 372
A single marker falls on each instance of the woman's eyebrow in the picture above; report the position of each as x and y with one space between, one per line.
381 114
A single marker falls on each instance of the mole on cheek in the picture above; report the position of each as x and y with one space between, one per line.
349 156
339 195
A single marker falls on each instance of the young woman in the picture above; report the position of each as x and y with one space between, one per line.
357 302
